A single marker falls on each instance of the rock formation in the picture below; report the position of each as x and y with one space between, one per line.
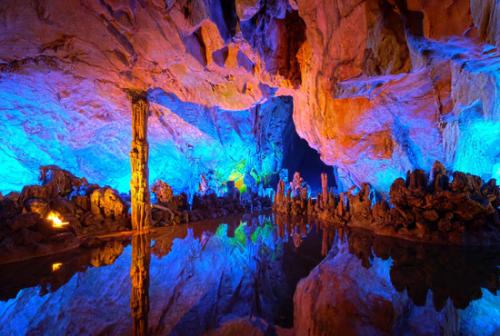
453 273
295 202
463 212
107 203
163 192
139 154
57 214
377 87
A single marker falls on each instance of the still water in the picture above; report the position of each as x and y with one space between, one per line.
244 271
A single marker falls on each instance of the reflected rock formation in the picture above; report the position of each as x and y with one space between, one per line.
240 279
53 272
366 286
453 274
199 285
139 277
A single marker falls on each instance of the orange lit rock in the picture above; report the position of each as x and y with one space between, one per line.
106 202
442 18
163 192
139 276
139 184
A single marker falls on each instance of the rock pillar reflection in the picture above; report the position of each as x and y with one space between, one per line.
139 276
139 188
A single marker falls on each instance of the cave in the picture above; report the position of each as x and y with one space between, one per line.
249 167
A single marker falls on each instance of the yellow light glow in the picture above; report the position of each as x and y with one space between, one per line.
56 266
56 220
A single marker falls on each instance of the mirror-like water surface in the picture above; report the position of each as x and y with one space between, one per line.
227 277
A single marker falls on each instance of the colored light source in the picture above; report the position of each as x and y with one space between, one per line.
56 266
56 220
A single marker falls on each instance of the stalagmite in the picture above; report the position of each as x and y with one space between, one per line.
139 188
324 189
139 276
279 197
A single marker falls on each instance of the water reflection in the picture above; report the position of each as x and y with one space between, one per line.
211 277
454 273
139 277
51 273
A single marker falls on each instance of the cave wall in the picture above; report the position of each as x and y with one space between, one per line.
404 110
377 87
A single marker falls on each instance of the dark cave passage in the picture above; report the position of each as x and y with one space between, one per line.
299 156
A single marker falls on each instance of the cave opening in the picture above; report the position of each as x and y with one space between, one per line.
298 156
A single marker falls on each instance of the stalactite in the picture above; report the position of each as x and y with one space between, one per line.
139 276
139 187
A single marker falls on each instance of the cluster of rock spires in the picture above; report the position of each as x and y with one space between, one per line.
170 209
463 211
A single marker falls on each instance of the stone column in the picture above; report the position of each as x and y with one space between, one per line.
139 276
139 153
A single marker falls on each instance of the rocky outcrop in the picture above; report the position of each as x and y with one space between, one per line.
105 202
54 216
168 209
395 119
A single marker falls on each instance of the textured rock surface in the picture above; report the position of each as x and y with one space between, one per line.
378 87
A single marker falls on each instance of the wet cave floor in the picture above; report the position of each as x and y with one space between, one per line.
205 276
